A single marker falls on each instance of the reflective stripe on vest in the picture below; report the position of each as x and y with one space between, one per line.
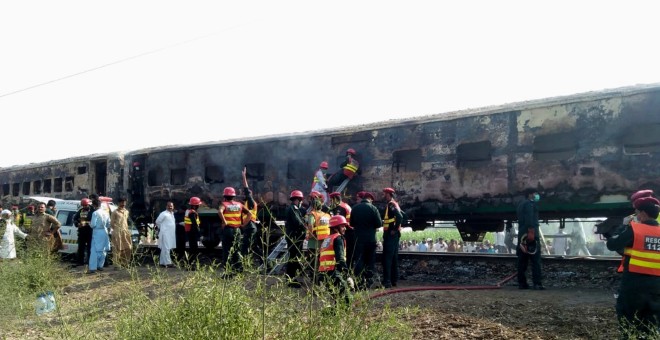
27 220
321 227
85 217
645 252
232 214
327 259
351 168
187 222
387 221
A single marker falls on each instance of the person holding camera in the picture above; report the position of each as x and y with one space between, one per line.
638 240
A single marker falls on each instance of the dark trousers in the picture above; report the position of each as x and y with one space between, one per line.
523 259
231 255
638 306
183 236
349 236
365 262
294 244
390 260
247 239
338 286
84 244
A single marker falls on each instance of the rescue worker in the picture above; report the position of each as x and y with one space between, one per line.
318 227
191 228
332 262
339 207
295 236
249 230
45 231
349 168
365 219
392 221
633 198
82 219
100 225
638 303
529 240
16 215
319 183
232 214
25 222
122 246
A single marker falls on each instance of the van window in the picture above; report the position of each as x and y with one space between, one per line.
65 217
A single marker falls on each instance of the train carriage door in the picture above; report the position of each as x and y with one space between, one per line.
100 176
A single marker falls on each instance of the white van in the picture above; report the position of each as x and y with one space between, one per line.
66 209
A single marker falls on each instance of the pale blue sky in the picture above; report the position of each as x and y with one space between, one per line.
84 77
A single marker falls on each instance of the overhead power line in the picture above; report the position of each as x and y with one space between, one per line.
117 62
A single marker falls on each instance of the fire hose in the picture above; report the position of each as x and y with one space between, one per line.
498 285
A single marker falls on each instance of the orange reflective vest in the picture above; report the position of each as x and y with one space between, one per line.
187 222
232 213
351 168
644 255
321 229
387 220
327 260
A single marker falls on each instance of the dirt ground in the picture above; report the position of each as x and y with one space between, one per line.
458 312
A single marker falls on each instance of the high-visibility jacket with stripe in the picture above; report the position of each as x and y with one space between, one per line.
253 211
328 259
26 221
351 168
644 255
321 228
389 221
232 213
187 222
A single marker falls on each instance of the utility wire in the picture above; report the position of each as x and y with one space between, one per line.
117 62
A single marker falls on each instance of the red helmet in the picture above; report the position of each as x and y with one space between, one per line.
337 220
195 201
335 194
360 194
229 191
643 200
389 191
296 194
315 194
30 207
366 194
85 202
640 194
323 165
351 152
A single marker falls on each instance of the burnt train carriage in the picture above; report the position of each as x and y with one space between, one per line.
585 153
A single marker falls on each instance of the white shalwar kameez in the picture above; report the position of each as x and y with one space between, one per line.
166 236
8 243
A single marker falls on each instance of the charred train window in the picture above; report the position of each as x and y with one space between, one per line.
178 176
36 187
298 169
15 190
407 160
645 139
556 146
255 171
473 155
26 188
68 184
155 177
214 174
58 185
47 185
82 170
5 189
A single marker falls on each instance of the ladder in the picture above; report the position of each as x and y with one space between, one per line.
277 258
343 184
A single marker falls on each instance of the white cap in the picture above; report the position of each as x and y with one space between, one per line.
6 212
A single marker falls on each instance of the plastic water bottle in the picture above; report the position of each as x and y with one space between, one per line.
41 304
50 299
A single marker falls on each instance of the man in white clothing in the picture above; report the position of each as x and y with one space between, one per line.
8 244
166 235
